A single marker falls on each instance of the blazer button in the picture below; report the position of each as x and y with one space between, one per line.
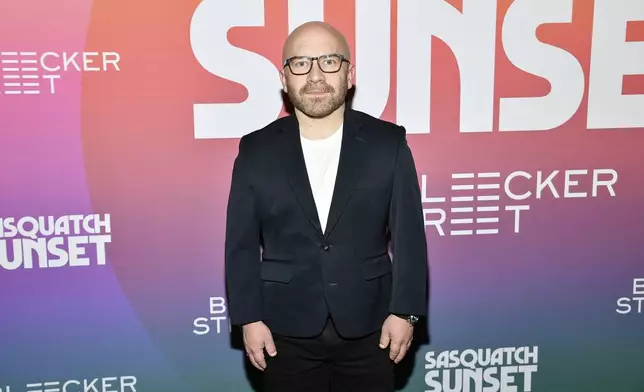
326 247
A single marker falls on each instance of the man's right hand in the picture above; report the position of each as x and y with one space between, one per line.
258 337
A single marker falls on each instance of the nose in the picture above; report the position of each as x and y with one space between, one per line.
316 74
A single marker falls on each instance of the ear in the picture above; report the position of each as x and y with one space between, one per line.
351 75
283 80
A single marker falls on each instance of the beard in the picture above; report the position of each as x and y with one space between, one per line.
318 106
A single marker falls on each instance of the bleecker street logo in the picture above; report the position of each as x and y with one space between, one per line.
33 73
215 321
97 384
477 202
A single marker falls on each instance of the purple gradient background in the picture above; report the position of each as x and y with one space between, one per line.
554 284
57 323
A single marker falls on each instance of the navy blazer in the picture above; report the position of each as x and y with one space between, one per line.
282 269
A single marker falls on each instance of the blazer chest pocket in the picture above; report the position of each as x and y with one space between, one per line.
376 267
276 272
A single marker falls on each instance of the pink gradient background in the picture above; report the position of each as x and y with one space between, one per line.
122 143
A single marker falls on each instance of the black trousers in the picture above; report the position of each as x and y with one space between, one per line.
329 363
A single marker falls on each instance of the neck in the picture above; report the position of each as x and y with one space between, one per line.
320 128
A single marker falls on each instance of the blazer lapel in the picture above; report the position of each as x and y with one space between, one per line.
290 148
352 159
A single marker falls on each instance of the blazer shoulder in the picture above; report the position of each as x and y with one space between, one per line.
261 136
381 127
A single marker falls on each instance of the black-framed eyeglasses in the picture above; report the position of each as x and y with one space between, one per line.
328 63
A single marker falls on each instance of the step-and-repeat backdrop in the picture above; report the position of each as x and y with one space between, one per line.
119 123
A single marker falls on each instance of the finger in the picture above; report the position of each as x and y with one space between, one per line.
394 349
259 358
270 346
384 339
401 354
251 358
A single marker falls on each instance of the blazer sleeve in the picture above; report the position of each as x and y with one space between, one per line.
408 241
242 245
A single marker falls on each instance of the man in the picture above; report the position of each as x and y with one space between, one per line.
322 192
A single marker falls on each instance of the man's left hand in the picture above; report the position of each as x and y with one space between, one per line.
398 334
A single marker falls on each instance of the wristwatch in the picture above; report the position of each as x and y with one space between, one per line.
411 319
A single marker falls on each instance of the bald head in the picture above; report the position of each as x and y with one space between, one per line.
313 39
317 89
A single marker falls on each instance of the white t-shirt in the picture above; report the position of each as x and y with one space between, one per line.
322 157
